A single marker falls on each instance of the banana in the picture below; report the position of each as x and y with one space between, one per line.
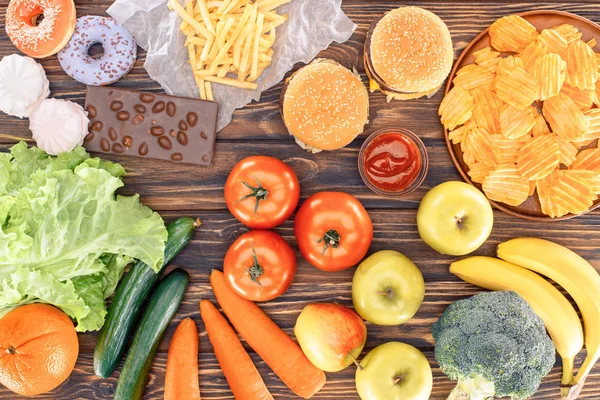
577 277
547 302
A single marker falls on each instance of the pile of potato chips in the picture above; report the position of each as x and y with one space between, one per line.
529 122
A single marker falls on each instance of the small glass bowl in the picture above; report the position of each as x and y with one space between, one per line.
418 179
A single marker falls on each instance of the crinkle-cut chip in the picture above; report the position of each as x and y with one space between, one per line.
486 113
569 32
568 151
482 146
554 41
468 157
456 108
512 33
531 53
582 66
458 134
591 177
531 188
597 98
572 192
593 116
473 76
583 98
592 42
541 126
515 123
549 72
487 58
544 191
580 144
479 171
517 87
588 159
538 157
505 184
509 148
509 63
565 118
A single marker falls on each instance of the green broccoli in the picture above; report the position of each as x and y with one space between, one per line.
494 345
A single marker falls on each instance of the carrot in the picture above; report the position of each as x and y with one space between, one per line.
275 347
181 380
239 370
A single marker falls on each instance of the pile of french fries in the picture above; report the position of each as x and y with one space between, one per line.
227 38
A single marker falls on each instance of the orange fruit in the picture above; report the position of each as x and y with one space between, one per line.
38 349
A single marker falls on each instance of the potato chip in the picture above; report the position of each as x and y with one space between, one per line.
583 98
512 33
597 98
538 158
509 63
468 157
592 42
568 151
544 191
569 32
473 76
506 185
565 118
517 88
480 143
486 113
458 134
582 66
554 41
515 123
591 177
531 53
593 116
588 159
572 192
456 108
549 72
479 171
531 188
487 58
541 126
509 148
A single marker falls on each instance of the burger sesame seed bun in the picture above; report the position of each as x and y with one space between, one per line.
409 50
324 106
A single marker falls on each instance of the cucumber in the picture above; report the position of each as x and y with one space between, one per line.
161 308
132 292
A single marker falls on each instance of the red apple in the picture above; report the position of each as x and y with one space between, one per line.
331 335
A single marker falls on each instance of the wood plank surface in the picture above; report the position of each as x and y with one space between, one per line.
176 190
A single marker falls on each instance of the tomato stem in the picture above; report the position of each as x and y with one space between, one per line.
256 270
331 238
259 192
11 350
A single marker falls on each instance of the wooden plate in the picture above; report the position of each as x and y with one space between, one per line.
543 19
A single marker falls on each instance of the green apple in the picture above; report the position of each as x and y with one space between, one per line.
394 371
455 218
387 288
331 336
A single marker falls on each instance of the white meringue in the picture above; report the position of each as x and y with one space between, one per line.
58 126
23 84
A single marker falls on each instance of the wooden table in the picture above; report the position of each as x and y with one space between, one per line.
175 190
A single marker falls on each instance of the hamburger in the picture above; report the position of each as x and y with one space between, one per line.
324 106
408 53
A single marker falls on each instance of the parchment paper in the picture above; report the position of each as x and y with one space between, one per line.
312 26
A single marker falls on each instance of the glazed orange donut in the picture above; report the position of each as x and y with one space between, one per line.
43 39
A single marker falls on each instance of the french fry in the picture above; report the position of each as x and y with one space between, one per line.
232 82
273 5
257 35
208 90
206 16
201 29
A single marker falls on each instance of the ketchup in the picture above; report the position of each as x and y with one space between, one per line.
392 161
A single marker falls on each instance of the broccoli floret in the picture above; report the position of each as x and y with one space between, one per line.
493 344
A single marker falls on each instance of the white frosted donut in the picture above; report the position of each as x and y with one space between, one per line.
120 51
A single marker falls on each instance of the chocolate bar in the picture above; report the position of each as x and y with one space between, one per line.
151 125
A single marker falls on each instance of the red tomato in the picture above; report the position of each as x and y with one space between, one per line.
333 230
262 192
260 265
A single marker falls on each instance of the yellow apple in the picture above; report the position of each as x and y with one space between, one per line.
455 218
387 288
394 371
331 335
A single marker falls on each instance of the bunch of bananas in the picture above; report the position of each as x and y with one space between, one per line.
524 259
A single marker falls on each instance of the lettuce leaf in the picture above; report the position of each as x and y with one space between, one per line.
65 237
